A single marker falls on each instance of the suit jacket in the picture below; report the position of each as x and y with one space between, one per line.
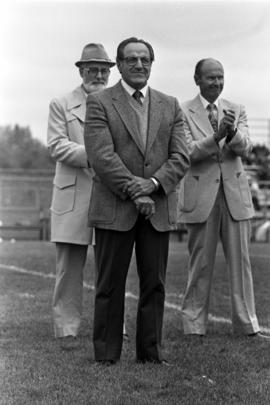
116 153
73 178
210 163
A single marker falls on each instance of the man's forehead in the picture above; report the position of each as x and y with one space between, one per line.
136 47
211 66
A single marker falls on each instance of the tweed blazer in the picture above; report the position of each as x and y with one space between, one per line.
73 178
116 153
211 163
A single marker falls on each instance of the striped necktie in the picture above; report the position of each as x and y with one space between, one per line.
212 115
138 95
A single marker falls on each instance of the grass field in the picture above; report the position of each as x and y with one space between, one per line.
218 369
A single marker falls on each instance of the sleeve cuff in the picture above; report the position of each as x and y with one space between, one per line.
230 135
155 181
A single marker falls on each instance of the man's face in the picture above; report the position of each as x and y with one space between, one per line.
135 68
210 80
95 76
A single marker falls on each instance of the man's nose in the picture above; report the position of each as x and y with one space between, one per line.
99 74
139 63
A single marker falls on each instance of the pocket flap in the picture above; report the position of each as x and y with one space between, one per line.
63 181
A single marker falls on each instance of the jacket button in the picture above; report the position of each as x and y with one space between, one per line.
217 180
146 164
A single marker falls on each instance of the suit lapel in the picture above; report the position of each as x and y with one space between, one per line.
76 104
155 117
199 116
125 112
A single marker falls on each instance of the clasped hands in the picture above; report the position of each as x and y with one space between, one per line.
226 126
139 189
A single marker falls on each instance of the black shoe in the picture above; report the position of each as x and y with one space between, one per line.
106 363
260 336
194 335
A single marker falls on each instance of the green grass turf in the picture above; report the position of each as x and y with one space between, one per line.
34 369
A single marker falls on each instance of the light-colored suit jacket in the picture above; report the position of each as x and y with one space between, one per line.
73 178
116 153
210 163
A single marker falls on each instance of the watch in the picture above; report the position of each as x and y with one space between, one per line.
155 181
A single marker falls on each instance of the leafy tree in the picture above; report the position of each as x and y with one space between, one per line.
18 149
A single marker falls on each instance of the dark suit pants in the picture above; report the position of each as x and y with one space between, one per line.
113 254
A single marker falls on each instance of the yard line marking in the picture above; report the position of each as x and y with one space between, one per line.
128 294
25 271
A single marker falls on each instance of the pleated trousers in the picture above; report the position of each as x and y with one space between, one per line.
202 245
68 290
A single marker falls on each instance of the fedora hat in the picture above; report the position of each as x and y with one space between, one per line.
94 53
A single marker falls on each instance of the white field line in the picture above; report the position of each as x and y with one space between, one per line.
169 305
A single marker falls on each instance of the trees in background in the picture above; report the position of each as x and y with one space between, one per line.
18 149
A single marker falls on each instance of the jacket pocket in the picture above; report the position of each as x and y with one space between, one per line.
102 204
244 189
190 193
63 198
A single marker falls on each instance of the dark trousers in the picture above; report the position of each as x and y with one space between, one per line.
113 254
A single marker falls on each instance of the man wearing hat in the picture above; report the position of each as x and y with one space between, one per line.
71 191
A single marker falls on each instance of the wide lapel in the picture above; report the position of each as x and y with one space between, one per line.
76 104
199 116
155 117
121 104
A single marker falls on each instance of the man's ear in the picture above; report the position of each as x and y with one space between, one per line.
81 71
196 79
119 66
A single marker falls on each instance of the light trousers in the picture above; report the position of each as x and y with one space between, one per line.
67 302
202 245
68 290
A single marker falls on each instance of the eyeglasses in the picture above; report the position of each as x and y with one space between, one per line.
95 71
132 61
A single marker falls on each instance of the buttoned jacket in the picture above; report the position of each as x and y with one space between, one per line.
212 163
73 178
115 150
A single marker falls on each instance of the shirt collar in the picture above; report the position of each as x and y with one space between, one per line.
84 92
131 90
205 103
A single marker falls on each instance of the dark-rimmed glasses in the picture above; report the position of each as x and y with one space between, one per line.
132 61
95 71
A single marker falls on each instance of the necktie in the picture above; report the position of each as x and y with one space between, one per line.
137 95
212 115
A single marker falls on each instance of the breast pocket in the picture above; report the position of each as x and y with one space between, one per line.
63 199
